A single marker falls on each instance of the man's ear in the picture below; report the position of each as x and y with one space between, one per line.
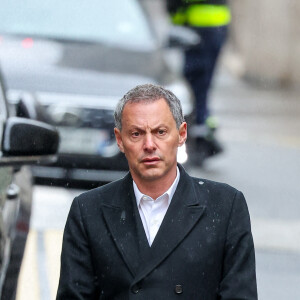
119 139
182 133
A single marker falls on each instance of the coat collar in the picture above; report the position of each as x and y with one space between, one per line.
123 220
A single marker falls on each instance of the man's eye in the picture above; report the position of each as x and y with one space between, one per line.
161 132
135 133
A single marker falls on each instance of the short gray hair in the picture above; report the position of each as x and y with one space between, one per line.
149 93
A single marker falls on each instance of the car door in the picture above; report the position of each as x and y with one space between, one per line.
9 198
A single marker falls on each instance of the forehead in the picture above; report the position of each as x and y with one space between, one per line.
147 111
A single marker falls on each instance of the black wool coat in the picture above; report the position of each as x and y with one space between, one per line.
203 249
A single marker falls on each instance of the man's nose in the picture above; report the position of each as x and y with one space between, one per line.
149 143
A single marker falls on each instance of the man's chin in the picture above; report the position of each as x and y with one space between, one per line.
151 174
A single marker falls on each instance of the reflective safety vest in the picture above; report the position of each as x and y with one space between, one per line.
193 13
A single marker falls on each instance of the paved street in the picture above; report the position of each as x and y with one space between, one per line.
260 131
40 270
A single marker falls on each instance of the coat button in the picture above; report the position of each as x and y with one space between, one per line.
178 289
135 289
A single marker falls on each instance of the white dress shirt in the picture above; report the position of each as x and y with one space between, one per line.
152 211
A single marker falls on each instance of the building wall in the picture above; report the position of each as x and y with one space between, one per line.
266 37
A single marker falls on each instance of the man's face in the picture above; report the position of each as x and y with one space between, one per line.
149 138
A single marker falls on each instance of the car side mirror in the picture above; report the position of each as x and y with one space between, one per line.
182 37
25 137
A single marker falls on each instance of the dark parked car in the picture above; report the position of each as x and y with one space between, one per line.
77 58
22 142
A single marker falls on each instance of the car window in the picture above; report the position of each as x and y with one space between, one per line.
119 22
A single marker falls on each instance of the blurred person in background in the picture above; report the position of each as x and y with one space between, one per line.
209 19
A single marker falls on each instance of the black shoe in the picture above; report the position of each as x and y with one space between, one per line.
205 143
209 145
206 148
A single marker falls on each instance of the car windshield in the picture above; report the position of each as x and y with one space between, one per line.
117 22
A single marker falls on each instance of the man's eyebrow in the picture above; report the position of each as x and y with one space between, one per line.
160 126
135 127
143 128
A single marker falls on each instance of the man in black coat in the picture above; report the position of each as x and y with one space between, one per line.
157 233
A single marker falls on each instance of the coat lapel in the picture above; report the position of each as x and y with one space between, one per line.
123 221
183 213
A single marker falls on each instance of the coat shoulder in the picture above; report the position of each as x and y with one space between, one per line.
220 199
216 193
214 186
102 194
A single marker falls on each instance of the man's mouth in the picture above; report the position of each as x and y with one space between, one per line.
150 160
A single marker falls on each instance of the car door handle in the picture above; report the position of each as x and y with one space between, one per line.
12 192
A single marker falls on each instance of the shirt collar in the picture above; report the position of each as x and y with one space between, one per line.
170 192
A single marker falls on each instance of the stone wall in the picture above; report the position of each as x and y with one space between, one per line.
265 36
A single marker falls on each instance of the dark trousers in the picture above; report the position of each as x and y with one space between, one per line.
199 66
